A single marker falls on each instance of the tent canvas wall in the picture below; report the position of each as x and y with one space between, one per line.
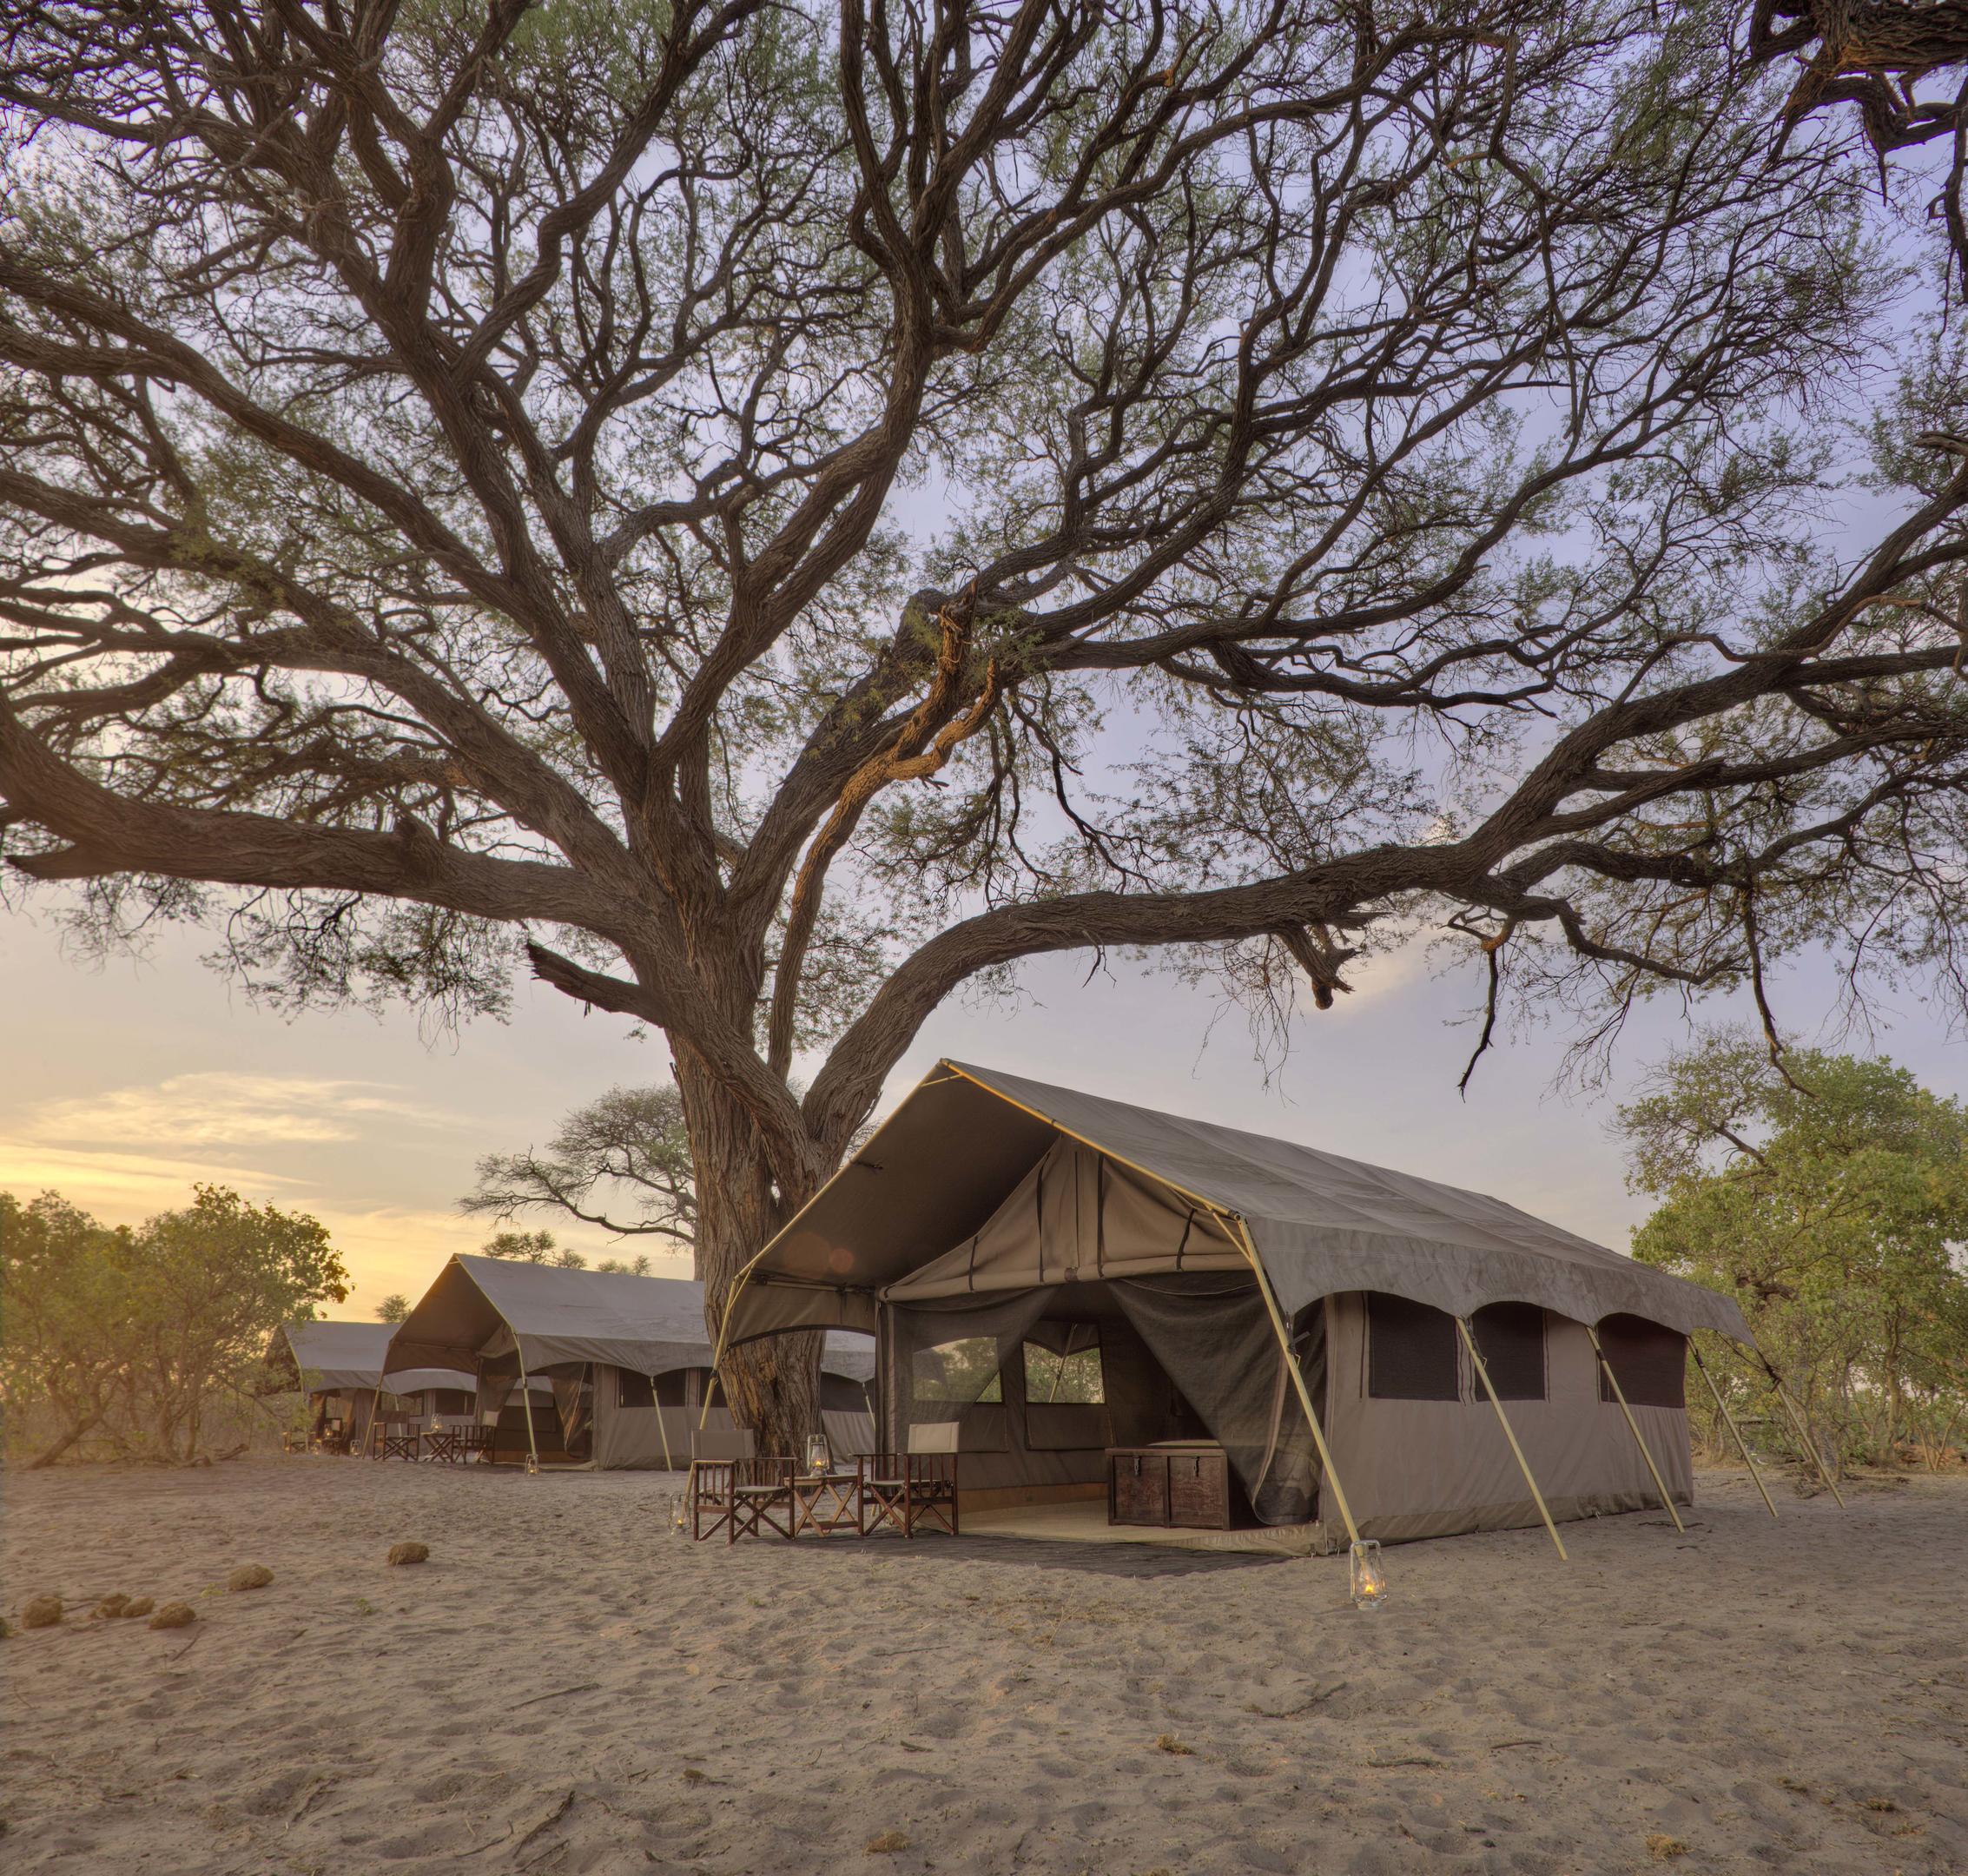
993 1222
623 1363
343 1370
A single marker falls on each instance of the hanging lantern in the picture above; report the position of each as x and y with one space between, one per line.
1369 1581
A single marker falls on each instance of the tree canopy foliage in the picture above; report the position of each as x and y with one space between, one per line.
124 1341
782 512
1830 1194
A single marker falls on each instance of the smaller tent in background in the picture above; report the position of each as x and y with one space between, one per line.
341 1367
627 1359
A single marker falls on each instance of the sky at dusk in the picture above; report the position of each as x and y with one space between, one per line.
122 1084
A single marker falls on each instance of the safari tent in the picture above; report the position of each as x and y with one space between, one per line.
342 1370
625 1361
1065 1276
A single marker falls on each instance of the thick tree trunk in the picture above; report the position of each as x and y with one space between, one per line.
773 1385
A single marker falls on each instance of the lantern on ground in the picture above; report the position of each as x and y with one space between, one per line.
1369 1583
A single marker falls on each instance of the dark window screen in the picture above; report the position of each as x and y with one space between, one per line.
673 1386
1410 1351
633 1389
1510 1337
1650 1361
451 1400
840 1394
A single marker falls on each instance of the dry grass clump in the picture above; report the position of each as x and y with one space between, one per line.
249 1577
142 1606
1169 1743
117 1604
1663 1848
42 1612
174 1616
409 1552
887 1842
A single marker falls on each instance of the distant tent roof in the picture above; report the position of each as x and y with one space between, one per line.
942 1164
648 1325
339 1355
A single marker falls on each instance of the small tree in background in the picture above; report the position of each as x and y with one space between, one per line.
540 1248
59 1349
532 1247
129 1340
1830 1195
394 1308
208 1287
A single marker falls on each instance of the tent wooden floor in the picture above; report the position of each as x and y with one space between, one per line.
1085 1522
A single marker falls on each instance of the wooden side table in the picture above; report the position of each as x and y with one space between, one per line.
825 1502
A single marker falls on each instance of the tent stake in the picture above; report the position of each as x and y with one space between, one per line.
1803 1427
1304 1393
1502 1420
1728 1420
1633 1426
527 1405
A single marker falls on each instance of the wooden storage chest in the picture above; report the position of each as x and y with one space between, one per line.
1185 1484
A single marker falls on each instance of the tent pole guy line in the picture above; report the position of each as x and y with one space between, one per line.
1633 1426
1728 1420
1503 1420
1803 1427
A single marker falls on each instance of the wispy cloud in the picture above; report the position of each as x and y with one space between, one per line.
121 1186
215 1108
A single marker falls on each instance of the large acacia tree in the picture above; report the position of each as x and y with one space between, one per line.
783 509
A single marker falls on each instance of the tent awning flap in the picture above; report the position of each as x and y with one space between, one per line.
917 1200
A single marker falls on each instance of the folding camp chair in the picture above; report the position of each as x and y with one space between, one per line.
762 1499
913 1488
475 1441
716 1455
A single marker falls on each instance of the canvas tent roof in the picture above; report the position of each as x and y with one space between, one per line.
352 1355
647 1325
961 1144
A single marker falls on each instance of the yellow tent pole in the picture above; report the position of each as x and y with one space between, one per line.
1803 1427
1728 1420
1298 1376
1503 1420
1633 1427
669 1465
527 1405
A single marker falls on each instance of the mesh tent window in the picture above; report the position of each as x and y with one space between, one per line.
1069 1375
450 1400
964 1371
1650 1362
1411 1351
633 1389
842 1394
1510 1337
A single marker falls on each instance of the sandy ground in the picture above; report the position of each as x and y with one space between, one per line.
563 1687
